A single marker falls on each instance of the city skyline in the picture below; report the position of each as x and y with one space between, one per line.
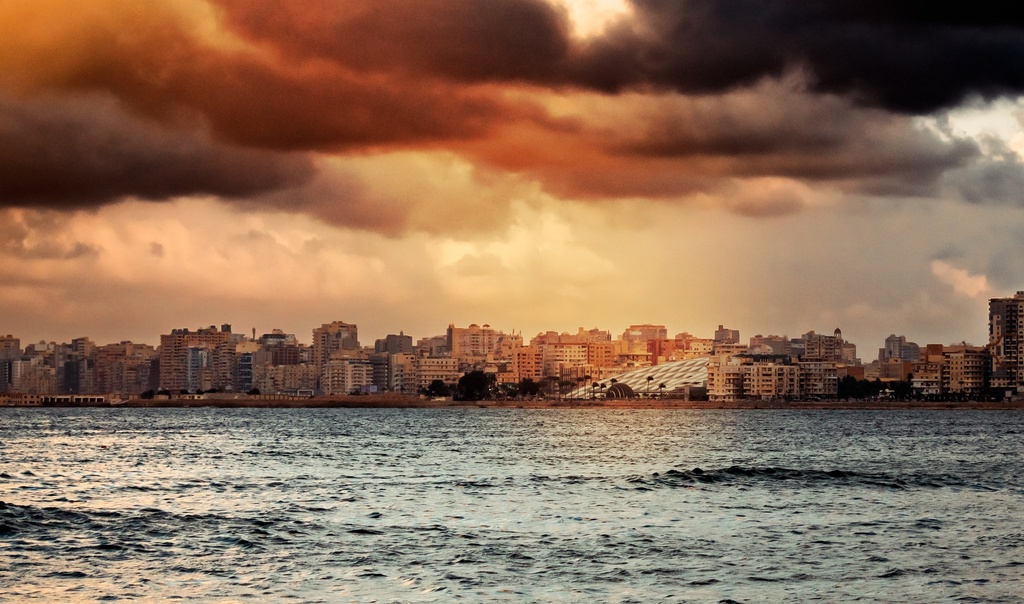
365 341
536 165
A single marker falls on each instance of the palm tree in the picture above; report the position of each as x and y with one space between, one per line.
650 379
661 389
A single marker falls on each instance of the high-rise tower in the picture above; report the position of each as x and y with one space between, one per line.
1005 333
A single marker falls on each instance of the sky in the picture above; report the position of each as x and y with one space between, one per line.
775 167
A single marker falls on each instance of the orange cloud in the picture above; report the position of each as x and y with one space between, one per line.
240 99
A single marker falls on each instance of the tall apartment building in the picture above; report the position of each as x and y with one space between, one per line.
402 374
123 368
10 351
394 344
1006 333
747 376
429 369
966 369
474 344
558 357
174 353
897 347
818 378
645 332
434 346
333 337
524 363
344 376
820 347
727 336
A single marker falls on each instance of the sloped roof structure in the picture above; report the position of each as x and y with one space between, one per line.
676 374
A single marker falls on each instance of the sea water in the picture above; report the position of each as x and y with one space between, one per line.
510 505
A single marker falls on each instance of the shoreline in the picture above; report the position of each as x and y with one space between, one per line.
409 402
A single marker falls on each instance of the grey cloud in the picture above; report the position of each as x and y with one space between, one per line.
87 151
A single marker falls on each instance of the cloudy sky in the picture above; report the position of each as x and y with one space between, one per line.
777 167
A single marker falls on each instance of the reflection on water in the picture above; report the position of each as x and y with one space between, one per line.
510 505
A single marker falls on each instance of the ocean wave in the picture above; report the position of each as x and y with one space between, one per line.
749 475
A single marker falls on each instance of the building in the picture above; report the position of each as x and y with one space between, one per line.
1006 334
394 344
678 377
175 356
475 344
897 347
727 336
428 369
752 377
647 331
402 374
434 346
818 379
820 347
10 351
966 369
346 376
770 344
330 338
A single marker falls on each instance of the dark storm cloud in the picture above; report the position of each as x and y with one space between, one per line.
774 131
159 64
905 56
86 151
106 100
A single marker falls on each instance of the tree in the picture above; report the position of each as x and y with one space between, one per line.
475 386
147 395
253 391
438 389
549 382
528 387
848 388
508 390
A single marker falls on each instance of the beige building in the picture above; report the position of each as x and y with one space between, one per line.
524 363
725 379
966 367
558 357
771 380
285 379
33 376
402 373
820 347
473 342
344 376
429 369
330 338
174 353
643 333
927 376
819 379
758 377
